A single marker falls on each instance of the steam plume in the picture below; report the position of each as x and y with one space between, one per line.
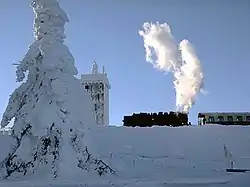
180 60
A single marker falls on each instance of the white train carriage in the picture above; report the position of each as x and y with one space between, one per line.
224 118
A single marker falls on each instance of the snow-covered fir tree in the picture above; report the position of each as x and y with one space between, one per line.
52 112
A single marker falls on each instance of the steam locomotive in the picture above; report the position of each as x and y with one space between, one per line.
156 119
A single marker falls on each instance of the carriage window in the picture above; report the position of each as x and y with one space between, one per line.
229 118
211 118
239 118
247 118
220 118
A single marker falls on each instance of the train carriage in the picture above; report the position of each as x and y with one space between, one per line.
224 118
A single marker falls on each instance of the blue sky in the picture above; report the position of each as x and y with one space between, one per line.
107 31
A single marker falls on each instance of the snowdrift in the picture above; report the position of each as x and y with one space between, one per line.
183 156
165 152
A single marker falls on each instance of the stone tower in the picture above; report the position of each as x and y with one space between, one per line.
97 85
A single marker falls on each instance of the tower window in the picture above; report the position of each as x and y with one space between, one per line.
101 86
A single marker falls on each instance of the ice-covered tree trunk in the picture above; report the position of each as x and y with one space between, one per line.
52 111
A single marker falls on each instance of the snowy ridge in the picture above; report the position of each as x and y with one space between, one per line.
135 183
165 156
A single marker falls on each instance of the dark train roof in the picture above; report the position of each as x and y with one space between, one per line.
222 113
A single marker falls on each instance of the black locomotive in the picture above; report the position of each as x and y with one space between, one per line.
156 119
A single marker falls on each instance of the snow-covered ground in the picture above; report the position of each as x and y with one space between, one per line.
165 156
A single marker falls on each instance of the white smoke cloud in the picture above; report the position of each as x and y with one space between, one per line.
180 60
